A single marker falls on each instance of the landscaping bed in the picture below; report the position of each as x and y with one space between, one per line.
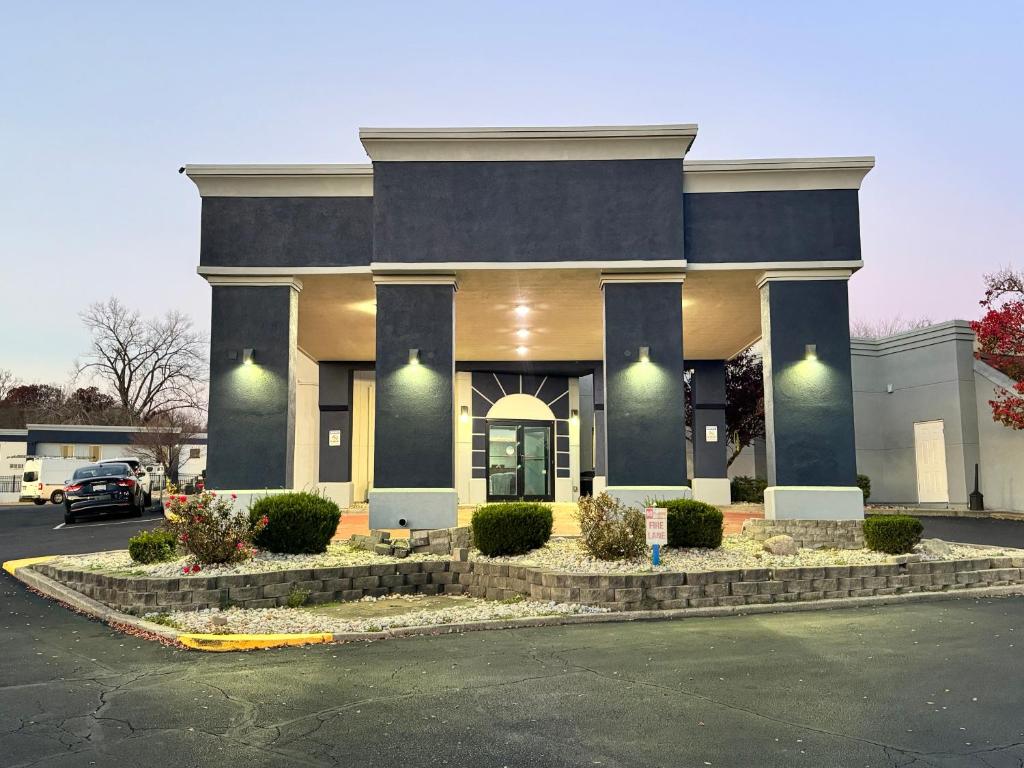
738 573
366 615
567 555
338 555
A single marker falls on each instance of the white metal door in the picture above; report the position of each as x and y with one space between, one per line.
930 455
363 405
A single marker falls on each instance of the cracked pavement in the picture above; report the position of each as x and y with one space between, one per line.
915 685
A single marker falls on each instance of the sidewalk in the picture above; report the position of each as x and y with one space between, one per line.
356 519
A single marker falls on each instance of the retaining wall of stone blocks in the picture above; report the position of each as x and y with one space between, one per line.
811 534
500 581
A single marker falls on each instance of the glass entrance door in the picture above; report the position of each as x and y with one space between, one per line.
519 461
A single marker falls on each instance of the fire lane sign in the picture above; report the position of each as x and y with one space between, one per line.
657 525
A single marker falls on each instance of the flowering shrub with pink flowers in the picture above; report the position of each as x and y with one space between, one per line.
208 528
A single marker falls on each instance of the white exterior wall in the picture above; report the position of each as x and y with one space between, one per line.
1002 448
12 457
930 372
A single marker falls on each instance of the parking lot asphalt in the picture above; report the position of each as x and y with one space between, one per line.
924 685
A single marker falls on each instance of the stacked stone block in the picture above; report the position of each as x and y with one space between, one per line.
503 581
809 534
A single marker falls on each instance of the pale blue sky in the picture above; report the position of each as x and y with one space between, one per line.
100 103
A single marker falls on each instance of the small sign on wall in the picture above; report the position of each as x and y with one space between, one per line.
711 433
334 437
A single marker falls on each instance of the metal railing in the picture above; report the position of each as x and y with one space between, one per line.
10 483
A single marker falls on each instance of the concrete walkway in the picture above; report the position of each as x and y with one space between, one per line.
356 519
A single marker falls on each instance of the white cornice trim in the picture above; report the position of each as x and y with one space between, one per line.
950 330
772 265
339 180
626 142
262 281
642 277
627 265
775 174
208 272
780 275
416 279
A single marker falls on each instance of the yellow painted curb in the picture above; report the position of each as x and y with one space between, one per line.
12 565
251 642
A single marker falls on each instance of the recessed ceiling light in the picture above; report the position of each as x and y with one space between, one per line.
522 309
521 350
522 333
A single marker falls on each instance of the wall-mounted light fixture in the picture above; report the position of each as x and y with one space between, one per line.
521 351
248 356
464 413
414 357
522 333
522 310
811 352
574 416
645 355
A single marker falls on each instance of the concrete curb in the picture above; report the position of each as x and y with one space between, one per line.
965 513
220 643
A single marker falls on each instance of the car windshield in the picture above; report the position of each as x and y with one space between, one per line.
102 470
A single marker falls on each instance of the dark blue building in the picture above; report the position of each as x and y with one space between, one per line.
492 313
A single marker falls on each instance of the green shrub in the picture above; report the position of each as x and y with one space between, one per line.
610 530
297 597
152 546
511 528
748 489
864 483
693 523
892 534
297 523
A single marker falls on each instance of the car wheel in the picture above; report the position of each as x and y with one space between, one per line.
69 519
57 497
39 502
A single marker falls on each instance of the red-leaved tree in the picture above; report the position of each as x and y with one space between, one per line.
1000 334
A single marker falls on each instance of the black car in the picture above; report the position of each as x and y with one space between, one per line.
103 488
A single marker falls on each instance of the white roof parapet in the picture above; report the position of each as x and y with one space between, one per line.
599 142
775 174
332 180
950 330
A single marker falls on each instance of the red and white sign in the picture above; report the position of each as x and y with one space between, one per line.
657 525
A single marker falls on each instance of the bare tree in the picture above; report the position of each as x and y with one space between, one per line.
164 440
153 366
8 381
879 329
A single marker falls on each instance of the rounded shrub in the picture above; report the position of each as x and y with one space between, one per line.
864 483
748 489
297 523
152 546
693 523
892 534
609 530
511 528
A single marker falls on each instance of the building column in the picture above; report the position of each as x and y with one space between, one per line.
414 439
600 437
808 397
251 429
335 402
710 444
645 409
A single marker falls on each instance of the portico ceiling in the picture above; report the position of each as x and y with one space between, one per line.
563 316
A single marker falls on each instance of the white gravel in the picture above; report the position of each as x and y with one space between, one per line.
567 555
338 555
298 620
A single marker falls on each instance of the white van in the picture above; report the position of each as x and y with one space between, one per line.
44 478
